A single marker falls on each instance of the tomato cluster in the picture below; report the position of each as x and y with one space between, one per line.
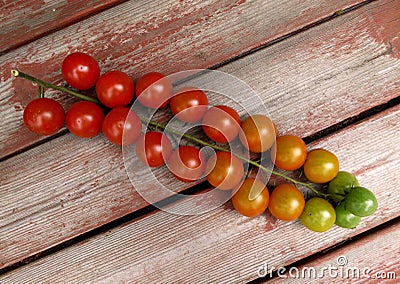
115 90
343 203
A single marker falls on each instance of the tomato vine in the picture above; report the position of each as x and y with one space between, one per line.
221 124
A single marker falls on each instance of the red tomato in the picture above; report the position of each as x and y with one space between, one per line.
122 126
224 170
153 90
258 133
80 70
289 152
321 166
286 202
44 116
187 163
153 148
115 89
84 119
189 104
221 123
252 197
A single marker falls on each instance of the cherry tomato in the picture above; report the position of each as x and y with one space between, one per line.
153 148
341 185
189 104
251 199
258 133
360 201
84 119
318 215
345 218
286 202
122 126
321 166
187 163
80 70
289 152
115 89
221 123
153 90
44 116
224 170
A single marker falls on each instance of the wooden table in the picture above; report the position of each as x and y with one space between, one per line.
328 71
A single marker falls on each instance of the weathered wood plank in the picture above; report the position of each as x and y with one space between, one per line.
24 21
69 191
336 61
222 246
142 36
374 258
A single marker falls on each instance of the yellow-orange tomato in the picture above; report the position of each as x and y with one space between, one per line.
224 170
252 197
289 152
258 133
321 166
286 202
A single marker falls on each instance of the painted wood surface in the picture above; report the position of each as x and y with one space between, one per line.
77 185
372 259
142 36
222 246
24 21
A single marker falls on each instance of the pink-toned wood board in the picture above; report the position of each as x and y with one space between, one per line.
143 36
372 259
223 246
24 21
335 61
77 185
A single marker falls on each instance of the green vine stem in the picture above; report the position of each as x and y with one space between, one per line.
44 84
173 131
251 162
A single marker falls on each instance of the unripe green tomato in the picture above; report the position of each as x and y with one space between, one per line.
341 185
318 215
360 201
346 219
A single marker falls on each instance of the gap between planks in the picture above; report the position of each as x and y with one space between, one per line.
334 251
48 19
373 258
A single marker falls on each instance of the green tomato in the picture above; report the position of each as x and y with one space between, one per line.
360 201
341 185
346 219
318 215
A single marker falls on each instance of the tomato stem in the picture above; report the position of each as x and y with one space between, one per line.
44 84
188 136
219 148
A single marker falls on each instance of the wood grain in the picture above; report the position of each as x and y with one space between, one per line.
374 258
142 36
71 186
222 246
24 21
